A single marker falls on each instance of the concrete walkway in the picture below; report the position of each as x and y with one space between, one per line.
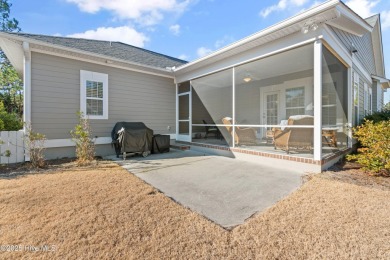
224 190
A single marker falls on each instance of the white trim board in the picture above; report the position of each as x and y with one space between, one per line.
96 77
58 143
101 63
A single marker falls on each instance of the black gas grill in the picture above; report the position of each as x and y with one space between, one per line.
132 137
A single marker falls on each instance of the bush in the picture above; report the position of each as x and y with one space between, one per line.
35 143
379 116
374 153
9 121
85 147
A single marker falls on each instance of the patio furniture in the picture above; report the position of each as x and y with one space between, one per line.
241 135
161 144
329 137
212 130
269 137
295 138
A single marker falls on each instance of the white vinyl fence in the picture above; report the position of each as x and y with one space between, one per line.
11 147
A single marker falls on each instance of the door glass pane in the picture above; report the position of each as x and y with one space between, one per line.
183 87
184 128
272 109
184 111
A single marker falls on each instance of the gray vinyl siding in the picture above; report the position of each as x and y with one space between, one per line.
363 45
133 96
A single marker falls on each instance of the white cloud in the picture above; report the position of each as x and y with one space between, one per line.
203 51
123 34
145 12
175 29
282 5
362 7
184 57
224 41
385 19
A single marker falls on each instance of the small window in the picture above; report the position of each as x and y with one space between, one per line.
370 100
366 99
94 94
295 101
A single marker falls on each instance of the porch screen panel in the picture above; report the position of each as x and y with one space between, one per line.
334 104
272 93
212 101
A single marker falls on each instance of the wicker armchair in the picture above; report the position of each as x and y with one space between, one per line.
242 135
295 138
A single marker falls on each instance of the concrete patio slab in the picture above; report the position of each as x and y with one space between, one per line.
226 191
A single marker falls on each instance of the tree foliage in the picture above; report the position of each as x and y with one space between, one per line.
387 107
11 85
9 121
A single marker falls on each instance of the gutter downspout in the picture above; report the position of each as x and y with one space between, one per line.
26 90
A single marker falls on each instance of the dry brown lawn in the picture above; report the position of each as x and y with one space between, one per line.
107 213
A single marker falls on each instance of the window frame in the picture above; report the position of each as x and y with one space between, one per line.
296 107
365 99
94 77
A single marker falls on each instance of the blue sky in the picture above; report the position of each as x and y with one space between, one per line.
187 29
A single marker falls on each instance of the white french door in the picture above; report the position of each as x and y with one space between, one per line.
271 108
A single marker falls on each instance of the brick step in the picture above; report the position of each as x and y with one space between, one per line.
182 147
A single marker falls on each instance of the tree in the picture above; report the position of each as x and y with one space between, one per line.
387 106
11 86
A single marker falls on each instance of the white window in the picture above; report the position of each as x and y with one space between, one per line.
365 99
370 100
295 101
355 97
94 94
329 107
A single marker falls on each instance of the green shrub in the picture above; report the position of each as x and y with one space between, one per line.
374 153
85 147
9 121
379 116
35 143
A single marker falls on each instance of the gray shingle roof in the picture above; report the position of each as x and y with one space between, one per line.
117 50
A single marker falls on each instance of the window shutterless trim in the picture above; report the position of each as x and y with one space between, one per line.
98 77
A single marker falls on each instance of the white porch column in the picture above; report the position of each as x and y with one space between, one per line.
234 107
350 107
317 100
27 83
26 91
177 110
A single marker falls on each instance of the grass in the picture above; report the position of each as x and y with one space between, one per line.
106 213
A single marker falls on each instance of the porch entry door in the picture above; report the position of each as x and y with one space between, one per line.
184 117
271 109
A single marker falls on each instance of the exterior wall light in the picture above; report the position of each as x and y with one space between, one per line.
247 78
313 27
309 27
305 29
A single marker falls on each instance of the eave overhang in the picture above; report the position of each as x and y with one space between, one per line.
12 45
333 12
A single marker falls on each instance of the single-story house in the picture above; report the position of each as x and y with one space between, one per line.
289 93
